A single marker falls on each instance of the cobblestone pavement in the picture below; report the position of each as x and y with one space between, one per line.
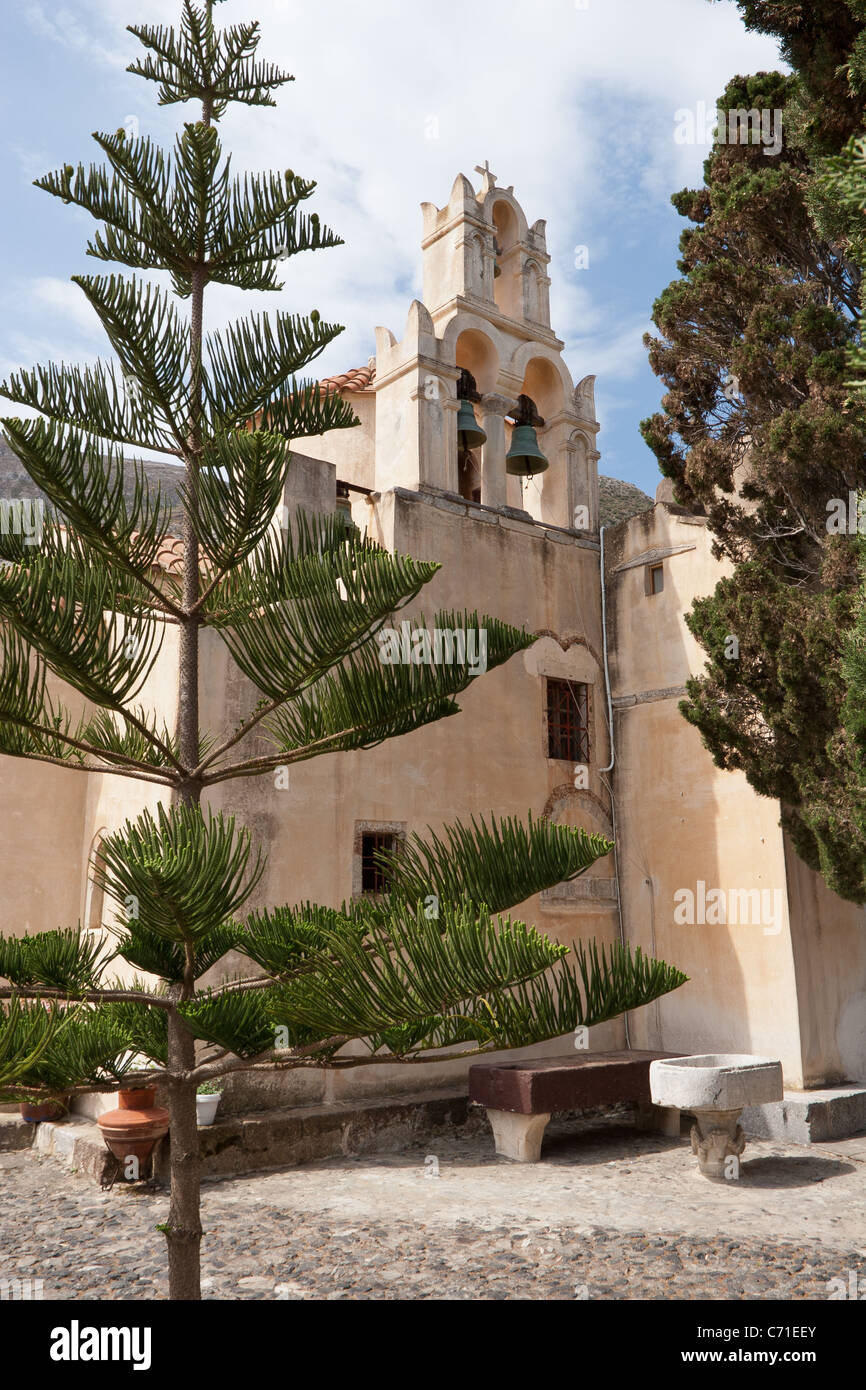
607 1215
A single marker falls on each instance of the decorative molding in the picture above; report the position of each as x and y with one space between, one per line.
651 557
580 890
566 643
649 697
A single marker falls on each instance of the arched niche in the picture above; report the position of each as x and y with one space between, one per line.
479 274
94 903
543 382
582 810
475 351
533 309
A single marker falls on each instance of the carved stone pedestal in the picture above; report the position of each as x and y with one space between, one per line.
518 1137
717 1139
715 1088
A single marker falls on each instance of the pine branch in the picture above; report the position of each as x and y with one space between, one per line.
151 340
365 701
87 487
81 1049
287 619
238 491
499 865
131 234
416 968
84 620
203 64
92 399
187 875
251 369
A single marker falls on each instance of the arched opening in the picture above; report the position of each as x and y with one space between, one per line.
543 383
505 223
507 236
476 353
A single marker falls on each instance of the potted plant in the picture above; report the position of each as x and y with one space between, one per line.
38 1108
207 1099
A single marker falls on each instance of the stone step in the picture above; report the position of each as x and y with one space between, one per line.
809 1117
280 1138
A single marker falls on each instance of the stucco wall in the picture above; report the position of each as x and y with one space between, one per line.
789 981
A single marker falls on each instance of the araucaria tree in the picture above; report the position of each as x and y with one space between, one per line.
429 965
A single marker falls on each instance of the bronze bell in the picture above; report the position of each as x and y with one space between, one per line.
469 432
470 435
524 458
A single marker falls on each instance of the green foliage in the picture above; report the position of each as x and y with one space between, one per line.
184 875
200 63
410 967
416 985
147 949
239 1021
84 619
287 617
73 1047
365 701
282 940
756 346
144 1027
498 866
25 1036
64 960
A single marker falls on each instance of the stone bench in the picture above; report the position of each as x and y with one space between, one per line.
520 1097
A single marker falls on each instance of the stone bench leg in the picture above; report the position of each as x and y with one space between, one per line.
518 1136
663 1118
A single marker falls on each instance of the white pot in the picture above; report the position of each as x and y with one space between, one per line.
206 1108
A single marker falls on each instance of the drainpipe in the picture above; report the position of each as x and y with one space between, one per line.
610 765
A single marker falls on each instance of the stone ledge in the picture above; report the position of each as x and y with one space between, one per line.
281 1138
15 1133
809 1117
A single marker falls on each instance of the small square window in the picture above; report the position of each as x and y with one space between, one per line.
655 579
567 721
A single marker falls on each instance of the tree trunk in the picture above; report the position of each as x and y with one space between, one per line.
184 1221
184 1231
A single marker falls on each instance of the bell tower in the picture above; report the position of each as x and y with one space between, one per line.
486 316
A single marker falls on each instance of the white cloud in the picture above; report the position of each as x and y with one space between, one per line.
66 26
573 107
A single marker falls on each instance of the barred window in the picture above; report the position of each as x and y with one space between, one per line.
567 721
374 877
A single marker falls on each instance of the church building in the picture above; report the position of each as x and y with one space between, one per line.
477 449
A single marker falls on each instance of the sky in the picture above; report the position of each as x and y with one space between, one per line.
574 102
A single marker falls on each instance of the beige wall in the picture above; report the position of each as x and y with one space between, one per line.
791 988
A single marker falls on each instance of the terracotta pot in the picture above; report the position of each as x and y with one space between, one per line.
137 1098
45 1110
133 1129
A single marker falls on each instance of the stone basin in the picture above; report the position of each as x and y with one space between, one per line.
716 1081
715 1087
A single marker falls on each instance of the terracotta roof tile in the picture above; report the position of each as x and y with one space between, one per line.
356 379
170 555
